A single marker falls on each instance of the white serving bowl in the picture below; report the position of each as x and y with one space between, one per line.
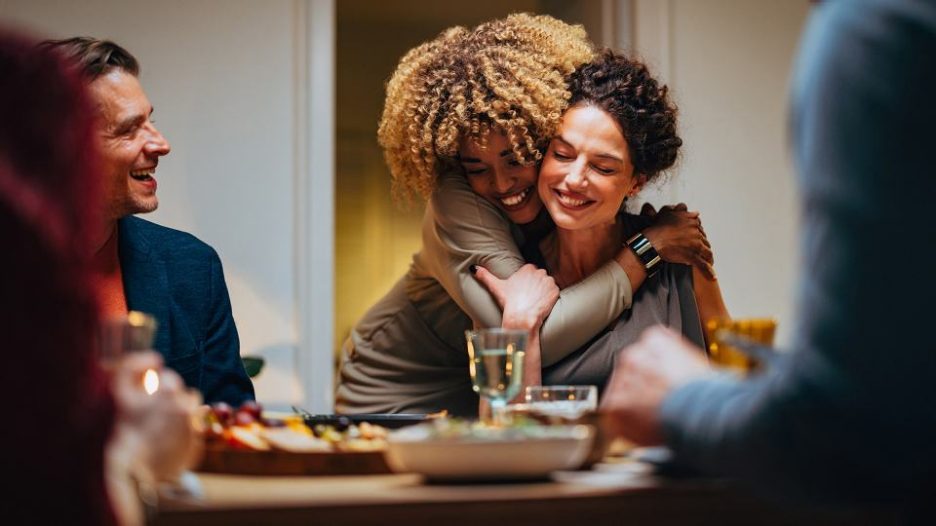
489 454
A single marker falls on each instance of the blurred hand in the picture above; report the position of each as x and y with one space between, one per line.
678 236
526 297
160 427
646 372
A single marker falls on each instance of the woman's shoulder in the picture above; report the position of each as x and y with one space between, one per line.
633 223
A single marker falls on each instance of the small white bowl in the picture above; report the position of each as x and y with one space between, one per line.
489 454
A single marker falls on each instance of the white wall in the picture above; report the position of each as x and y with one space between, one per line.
728 63
224 80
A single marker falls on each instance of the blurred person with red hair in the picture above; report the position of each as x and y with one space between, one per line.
74 436
62 411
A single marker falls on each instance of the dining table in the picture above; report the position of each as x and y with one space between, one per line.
621 491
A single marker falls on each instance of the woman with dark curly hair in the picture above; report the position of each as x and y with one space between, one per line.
618 134
466 120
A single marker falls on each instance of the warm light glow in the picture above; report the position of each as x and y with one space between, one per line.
150 381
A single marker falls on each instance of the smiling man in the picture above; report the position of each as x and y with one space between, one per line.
143 266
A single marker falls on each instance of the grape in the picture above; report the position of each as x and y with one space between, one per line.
223 412
244 418
253 408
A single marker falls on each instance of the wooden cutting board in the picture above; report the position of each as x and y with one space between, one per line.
220 459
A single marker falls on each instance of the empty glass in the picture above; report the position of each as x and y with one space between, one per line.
569 402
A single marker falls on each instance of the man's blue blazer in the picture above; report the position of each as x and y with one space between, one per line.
178 279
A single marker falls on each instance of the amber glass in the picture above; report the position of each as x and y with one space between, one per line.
757 330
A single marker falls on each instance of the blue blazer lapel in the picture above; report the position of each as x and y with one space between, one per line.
144 277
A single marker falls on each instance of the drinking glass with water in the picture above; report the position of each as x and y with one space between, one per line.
496 365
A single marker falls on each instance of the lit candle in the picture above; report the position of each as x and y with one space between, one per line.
150 381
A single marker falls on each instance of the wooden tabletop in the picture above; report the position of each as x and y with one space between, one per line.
612 494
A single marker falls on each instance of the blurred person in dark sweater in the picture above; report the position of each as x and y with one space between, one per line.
846 415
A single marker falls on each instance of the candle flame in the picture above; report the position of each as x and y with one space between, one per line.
150 381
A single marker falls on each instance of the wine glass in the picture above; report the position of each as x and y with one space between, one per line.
124 334
496 365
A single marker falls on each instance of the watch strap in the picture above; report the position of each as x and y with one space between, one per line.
645 252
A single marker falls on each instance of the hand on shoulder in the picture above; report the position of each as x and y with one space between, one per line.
525 298
678 237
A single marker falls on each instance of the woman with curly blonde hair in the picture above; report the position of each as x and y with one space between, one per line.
466 120
508 75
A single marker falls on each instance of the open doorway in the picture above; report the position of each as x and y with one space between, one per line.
376 237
